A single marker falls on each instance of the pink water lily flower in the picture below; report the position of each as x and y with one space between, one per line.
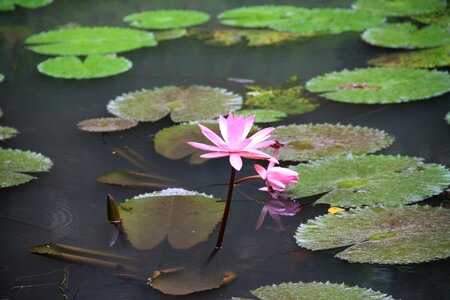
234 142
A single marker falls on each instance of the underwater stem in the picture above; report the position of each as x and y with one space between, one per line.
227 209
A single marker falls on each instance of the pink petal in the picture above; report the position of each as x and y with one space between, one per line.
248 126
262 144
264 189
214 155
254 154
262 135
205 147
236 161
261 171
212 136
242 144
223 128
276 185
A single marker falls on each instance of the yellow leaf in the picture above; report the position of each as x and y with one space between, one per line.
335 209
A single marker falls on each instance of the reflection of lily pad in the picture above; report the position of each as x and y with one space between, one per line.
30 4
94 66
380 85
372 179
171 34
89 40
290 100
166 19
428 58
14 162
400 7
447 117
310 142
401 235
258 16
407 35
7 132
441 17
106 124
185 218
317 291
264 115
183 103
330 21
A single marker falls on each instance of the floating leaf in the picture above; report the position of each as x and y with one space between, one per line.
310 142
330 21
135 179
407 35
401 235
254 37
106 124
400 7
441 17
372 179
395 85
30 4
94 66
185 218
263 115
7 132
113 210
183 282
183 103
317 291
89 40
166 19
290 100
14 161
428 58
172 34
259 16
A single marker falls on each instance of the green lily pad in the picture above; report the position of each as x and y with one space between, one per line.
372 179
290 100
14 162
401 235
407 35
330 21
264 115
89 40
106 124
317 291
166 19
7 132
30 4
172 34
380 85
185 218
441 17
183 103
254 37
428 58
400 7
94 66
311 142
259 16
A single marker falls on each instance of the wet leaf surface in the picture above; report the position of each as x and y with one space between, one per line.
264 115
136 179
440 17
30 4
166 19
400 235
400 7
106 124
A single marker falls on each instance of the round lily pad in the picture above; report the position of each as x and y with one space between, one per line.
93 66
440 17
428 58
186 218
7 132
380 85
400 7
30 4
106 124
166 19
400 235
407 35
311 142
330 21
89 40
259 16
368 180
317 291
171 34
182 103
264 115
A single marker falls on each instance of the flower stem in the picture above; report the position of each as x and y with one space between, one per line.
227 209
247 178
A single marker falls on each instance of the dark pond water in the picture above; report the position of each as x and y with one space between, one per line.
67 205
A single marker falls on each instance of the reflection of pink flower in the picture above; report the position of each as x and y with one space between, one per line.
277 207
235 143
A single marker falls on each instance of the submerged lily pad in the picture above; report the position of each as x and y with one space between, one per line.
7 132
428 58
171 34
330 21
136 179
401 235
372 179
2 77
15 162
311 142
447 117
94 66
166 19
400 7
380 85
264 115
183 103
259 16
317 291
30 4
407 35
440 17
89 40
185 218
106 124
